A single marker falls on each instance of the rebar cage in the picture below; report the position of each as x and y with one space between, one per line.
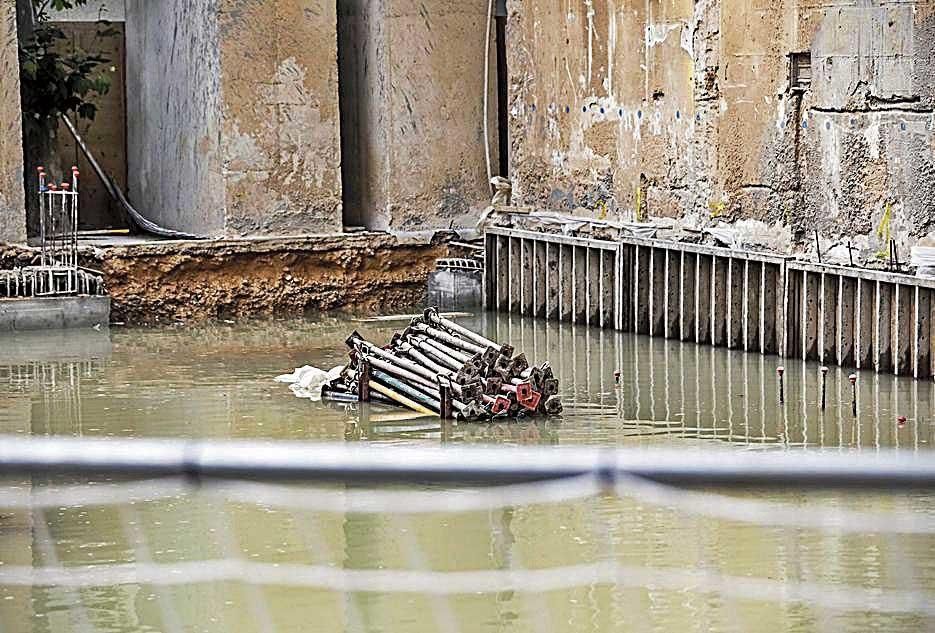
58 273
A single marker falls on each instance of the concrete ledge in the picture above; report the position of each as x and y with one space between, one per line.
53 313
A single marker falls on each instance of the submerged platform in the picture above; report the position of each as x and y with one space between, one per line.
53 313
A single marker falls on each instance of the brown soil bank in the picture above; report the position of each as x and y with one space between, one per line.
163 282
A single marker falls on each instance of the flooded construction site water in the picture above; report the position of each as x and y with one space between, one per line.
216 381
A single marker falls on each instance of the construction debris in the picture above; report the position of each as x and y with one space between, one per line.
437 367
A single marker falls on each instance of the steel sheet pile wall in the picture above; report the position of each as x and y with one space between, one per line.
749 301
557 277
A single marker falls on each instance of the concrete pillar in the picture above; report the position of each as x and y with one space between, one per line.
12 210
174 162
412 84
232 116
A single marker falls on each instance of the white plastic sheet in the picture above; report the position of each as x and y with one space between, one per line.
307 381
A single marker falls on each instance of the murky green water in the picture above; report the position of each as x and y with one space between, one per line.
216 381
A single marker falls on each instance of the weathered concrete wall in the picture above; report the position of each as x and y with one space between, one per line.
281 125
174 159
684 109
12 211
233 116
418 71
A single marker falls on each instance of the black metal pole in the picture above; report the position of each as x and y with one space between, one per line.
782 395
853 379
824 380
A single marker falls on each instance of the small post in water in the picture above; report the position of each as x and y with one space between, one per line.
782 396
824 380
853 379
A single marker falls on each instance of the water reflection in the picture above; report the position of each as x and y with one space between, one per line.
673 390
215 381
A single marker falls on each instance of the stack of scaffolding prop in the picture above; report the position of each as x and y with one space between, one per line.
437 367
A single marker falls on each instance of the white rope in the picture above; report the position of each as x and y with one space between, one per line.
400 581
487 93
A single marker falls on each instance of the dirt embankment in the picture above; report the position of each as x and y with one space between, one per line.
196 281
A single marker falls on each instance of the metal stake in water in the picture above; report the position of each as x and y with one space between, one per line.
782 395
853 379
824 380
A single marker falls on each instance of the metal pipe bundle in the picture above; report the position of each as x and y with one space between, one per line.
437 367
